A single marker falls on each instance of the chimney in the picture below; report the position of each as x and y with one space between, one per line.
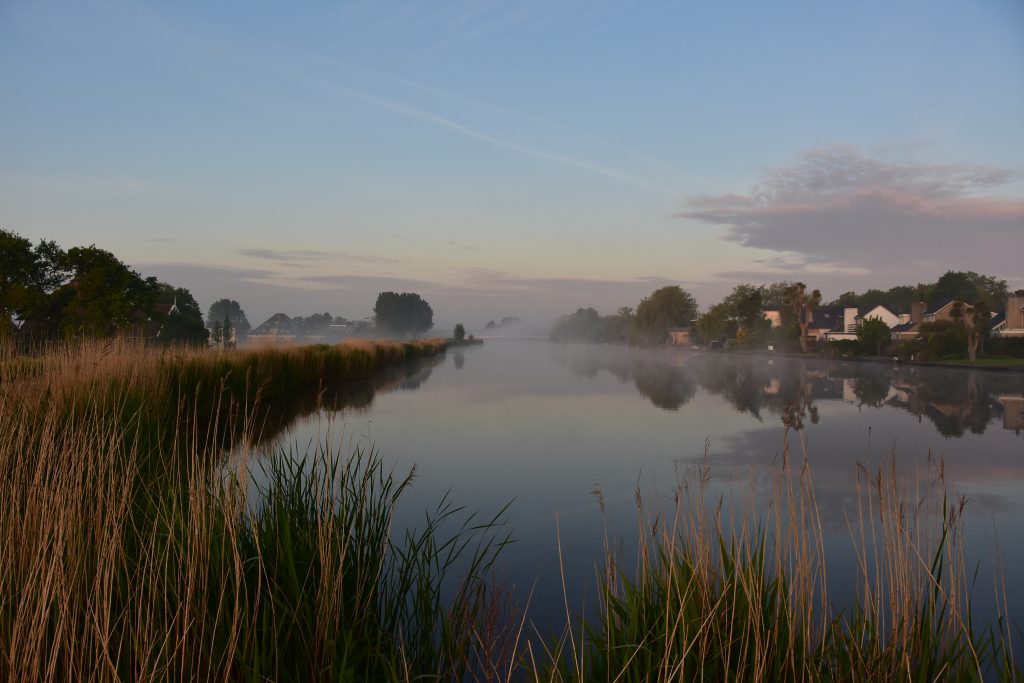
904 318
917 312
1015 311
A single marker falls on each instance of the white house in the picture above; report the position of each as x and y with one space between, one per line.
880 313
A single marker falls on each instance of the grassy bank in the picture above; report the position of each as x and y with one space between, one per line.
133 551
130 553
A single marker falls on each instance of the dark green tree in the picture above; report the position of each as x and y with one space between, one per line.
670 306
103 296
403 314
28 278
955 284
230 309
184 323
873 335
459 333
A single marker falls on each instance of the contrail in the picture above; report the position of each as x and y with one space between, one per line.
412 112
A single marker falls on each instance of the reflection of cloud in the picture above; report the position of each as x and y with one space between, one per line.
875 212
303 255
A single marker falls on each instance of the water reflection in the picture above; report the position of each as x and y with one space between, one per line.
955 401
276 416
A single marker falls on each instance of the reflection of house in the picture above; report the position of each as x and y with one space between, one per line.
1010 323
1013 411
679 336
277 329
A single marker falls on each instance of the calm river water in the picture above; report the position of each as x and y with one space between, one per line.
542 425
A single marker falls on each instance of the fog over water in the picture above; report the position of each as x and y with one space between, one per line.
545 425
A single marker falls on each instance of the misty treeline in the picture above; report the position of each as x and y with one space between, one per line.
740 316
49 292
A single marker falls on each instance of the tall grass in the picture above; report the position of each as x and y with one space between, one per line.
720 594
127 554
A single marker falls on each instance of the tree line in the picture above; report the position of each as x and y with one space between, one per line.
49 292
740 319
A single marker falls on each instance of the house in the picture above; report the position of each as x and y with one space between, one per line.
278 329
832 322
881 313
842 322
774 314
935 311
679 336
1010 323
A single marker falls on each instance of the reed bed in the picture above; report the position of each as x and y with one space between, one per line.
740 593
130 553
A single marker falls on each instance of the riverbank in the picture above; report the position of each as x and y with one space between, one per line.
996 364
136 558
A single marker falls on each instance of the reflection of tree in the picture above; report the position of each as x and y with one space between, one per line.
954 400
355 396
872 388
668 385
459 359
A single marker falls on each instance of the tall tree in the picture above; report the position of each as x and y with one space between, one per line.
104 295
976 319
230 309
802 305
403 314
667 307
955 284
28 277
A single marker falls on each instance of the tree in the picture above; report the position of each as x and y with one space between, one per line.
459 333
955 284
228 331
667 307
976 320
802 305
103 296
217 333
873 334
28 277
230 309
184 323
403 314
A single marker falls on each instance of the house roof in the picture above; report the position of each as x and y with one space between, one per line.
279 323
938 304
904 327
828 317
875 308
997 320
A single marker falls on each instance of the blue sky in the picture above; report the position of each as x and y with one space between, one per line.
517 158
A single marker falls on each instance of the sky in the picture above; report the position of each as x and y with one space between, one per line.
516 158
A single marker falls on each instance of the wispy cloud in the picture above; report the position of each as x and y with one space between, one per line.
839 207
307 255
462 245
